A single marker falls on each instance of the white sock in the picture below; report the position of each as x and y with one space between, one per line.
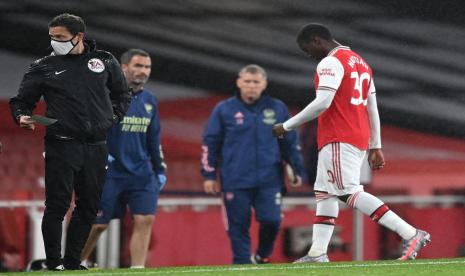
321 236
137 266
327 210
392 221
369 205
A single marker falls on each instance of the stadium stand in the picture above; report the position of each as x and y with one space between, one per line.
412 57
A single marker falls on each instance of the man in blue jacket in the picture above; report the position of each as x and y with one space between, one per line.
238 142
136 170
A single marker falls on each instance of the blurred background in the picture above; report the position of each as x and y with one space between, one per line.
416 50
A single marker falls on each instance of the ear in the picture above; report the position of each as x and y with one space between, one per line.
265 84
317 40
124 67
80 36
238 82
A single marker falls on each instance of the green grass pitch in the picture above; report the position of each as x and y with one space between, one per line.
421 267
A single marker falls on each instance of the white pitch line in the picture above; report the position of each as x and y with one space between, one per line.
252 268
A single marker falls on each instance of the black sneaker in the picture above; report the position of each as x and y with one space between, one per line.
58 268
79 267
40 265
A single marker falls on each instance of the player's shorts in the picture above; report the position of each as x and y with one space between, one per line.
338 171
140 193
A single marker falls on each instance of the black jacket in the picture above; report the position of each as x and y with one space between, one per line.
86 93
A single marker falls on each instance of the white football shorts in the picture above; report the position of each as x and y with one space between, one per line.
338 171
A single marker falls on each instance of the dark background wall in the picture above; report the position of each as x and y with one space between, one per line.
415 47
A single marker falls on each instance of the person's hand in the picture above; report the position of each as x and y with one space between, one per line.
211 187
162 181
278 130
293 178
376 159
26 122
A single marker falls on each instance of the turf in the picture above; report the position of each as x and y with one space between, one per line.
411 268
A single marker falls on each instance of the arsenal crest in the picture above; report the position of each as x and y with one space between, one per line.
269 116
148 107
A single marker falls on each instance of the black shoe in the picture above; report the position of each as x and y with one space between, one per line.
36 265
41 265
57 268
78 267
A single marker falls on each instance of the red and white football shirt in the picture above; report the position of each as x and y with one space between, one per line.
350 77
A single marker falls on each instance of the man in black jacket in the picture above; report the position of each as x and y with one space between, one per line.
85 93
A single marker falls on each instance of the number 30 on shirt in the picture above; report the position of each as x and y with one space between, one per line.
358 85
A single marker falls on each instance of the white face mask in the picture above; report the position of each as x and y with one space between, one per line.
62 47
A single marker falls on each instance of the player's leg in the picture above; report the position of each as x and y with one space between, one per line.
351 160
380 213
94 235
414 239
112 206
142 198
238 211
267 204
60 160
327 208
88 188
140 239
327 211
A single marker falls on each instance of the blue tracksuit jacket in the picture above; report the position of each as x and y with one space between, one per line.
134 143
238 141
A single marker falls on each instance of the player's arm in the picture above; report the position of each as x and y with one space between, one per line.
211 147
330 73
29 94
120 94
154 146
323 100
375 154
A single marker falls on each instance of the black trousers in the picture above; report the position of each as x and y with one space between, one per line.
71 165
